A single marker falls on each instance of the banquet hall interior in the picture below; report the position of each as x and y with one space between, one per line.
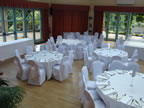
71 54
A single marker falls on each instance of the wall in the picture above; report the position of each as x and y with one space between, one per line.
91 3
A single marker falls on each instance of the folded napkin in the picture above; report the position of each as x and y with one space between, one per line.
102 77
102 83
110 73
127 100
109 92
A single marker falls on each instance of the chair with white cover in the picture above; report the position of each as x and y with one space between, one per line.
134 57
37 75
117 43
121 40
95 44
98 68
96 35
100 41
86 33
133 66
79 51
61 72
52 40
70 36
90 49
22 69
59 38
93 100
77 35
42 47
60 49
29 50
104 45
115 58
90 85
65 49
19 57
87 59
71 56
121 47
116 65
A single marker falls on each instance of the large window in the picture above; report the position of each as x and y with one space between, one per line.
18 23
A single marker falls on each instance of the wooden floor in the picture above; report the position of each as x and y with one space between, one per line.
52 94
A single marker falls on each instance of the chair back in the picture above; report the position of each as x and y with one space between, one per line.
90 49
59 38
116 64
121 47
34 71
52 40
90 98
18 67
17 54
104 45
29 49
116 58
85 73
42 47
71 55
97 68
86 33
133 66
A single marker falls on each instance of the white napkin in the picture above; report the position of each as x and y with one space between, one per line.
126 100
109 92
101 77
102 83
109 72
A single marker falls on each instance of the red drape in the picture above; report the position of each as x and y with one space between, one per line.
28 4
69 18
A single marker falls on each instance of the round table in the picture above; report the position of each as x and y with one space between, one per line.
106 54
72 43
122 87
47 59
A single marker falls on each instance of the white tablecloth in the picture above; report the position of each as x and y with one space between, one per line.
117 85
130 46
106 54
7 49
72 43
47 59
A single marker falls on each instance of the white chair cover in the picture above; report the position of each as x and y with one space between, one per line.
133 66
18 56
90 49
96 35
60 49
36 74
134 57
52 40
90 85
104 45
42 47
70 36
115 58
71 56
121 47
116 64
79 51
66 49
92 100
97 68
61 72
86 33
22 69
59 38
77 35
29 50
100 41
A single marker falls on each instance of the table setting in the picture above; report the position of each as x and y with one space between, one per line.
47 59
123 86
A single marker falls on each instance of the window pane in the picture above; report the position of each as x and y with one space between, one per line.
29 14
37 14
20 29
9 27
19 15
8 14
37 29
29 29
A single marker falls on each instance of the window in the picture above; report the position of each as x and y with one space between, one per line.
18 23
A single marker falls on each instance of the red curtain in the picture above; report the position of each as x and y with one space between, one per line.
27 4
69 18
